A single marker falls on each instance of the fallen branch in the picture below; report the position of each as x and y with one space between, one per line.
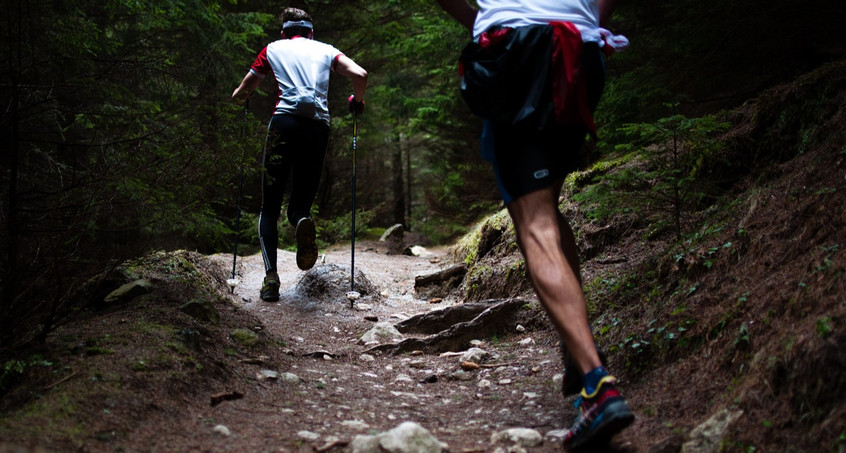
439 283
440 276
497 365
61 380
494 320
439 320
218 398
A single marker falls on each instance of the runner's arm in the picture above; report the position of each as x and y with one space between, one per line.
351 70
247 86
461 11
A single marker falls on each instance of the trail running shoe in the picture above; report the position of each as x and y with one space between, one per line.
601 415
306 244
573 379
270 289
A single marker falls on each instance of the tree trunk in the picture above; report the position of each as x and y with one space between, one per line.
407 153
399 196
9 244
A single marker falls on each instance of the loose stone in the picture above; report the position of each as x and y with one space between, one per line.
525 437
476 355
290 378
267 375
357 425
308 435
222 430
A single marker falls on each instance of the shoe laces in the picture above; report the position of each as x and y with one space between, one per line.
605 380
584 398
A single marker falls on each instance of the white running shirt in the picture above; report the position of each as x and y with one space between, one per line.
301 67
584 14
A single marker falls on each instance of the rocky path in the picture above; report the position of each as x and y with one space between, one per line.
326 388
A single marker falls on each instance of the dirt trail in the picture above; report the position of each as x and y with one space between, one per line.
392 274
344 391
147 375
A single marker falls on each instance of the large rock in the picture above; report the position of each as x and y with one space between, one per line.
95 290
408 437
708 437
380 333
201 310
393 237
417 250
128 292
328 284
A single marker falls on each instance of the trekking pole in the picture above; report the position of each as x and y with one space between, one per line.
353 295
232 281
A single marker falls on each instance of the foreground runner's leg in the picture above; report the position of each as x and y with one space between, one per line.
548 250
535 218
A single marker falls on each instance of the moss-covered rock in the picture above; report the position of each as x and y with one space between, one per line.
244 337
201 310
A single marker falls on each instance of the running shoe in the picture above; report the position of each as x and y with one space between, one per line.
573 379
270 289
602 414
306 244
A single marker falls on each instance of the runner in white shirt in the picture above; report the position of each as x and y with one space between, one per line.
298 132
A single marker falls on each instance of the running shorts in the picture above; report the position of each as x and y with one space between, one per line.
526 159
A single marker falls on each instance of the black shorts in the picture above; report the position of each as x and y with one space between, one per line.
526 159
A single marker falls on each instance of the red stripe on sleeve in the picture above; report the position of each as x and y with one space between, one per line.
262 64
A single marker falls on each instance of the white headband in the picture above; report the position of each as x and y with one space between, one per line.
297 23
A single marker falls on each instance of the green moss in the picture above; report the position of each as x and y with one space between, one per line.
156 329
245 337
56 414
373 233
517 270
467 248
579 179
201 310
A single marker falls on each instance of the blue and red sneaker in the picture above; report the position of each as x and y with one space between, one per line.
602 414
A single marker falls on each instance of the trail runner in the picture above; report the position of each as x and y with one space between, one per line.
297 134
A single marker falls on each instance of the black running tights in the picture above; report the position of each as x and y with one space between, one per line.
295 147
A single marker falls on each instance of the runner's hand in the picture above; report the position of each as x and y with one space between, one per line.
356 107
